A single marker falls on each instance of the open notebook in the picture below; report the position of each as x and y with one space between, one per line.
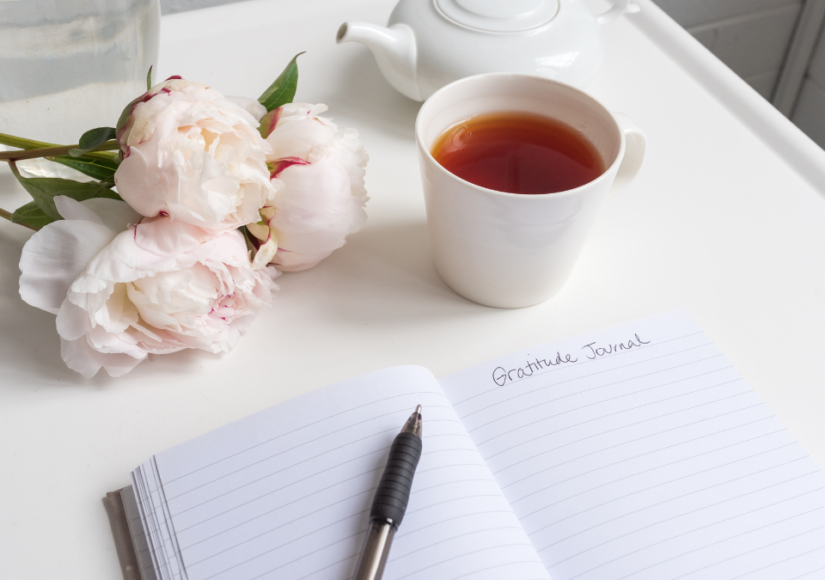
632 452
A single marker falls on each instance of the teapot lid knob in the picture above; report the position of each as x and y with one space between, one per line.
498 15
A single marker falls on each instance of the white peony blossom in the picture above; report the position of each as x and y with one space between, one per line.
195 155
159 286
320 198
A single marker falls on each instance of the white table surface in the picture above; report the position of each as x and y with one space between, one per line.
726 219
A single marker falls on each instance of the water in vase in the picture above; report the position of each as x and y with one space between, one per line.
67 66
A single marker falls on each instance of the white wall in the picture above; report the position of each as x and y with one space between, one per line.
809 112
750 36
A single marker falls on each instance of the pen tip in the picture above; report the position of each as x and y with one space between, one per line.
413 424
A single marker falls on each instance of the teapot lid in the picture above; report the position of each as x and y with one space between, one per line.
498 15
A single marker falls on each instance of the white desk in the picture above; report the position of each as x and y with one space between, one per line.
726 219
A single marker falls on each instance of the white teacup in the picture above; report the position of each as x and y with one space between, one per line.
512 250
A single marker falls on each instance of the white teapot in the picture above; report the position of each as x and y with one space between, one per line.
430 43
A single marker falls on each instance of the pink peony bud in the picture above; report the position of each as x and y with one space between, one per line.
320 198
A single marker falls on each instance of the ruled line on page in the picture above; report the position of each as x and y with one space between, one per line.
488 568
584 377
602 417
669 500
431 469
361 532
671 464
643 438
482 393
397 556
449 483
821 569
637 473
272 474
314 492
269 457
268 530
643 454
292 432
727 559
345 500
360 514
681 534
319 570
717 504
465 554
287 563
369 490
384 449
433 523
452 500
267 494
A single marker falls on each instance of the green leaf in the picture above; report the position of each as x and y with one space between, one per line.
149 78
101 169
92 139
44 189
31 215
282 91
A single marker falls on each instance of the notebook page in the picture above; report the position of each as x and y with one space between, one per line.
285 493
639 452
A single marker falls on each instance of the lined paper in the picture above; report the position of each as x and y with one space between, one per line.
285 493
639 452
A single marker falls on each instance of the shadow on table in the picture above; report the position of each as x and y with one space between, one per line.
384 276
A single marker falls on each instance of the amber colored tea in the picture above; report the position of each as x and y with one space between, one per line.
518 153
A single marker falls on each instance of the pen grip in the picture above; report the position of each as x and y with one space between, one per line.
394 488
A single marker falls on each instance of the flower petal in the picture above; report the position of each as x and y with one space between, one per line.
115 214
55 256
82 358
265 254
71 209
72 321
251 106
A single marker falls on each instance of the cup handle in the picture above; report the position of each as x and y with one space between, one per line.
619 7
634 153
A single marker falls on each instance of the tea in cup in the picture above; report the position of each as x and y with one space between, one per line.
514 169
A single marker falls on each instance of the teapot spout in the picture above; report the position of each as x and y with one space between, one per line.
394 49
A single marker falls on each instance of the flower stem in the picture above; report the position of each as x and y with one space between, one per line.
35 149
22 143
51 151
7 215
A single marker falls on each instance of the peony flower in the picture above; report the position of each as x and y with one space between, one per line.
121 294
320 195
195 155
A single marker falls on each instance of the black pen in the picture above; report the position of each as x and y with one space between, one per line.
391 499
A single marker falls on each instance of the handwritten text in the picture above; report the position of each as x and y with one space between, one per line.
502 376
593 351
